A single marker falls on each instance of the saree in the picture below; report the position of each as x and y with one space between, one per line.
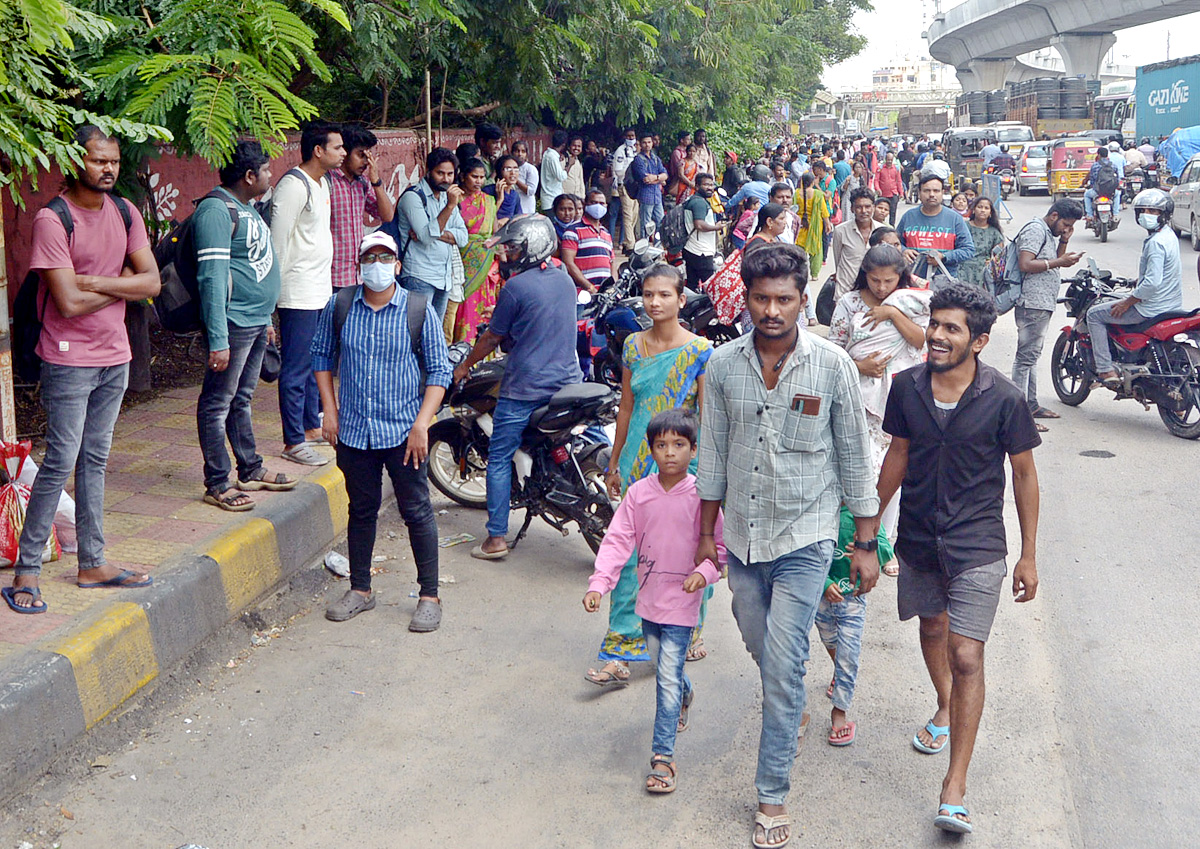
480 268
688 168
811 235
659 382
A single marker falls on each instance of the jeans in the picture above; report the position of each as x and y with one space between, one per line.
668 646
363 470
437 297
508 423
699 268
1031 336
615 219
893 202
1089 200
651 213
81 406
1098 319
224 409
841 628
299 401
775 603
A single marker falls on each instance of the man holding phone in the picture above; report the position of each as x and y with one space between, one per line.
934 230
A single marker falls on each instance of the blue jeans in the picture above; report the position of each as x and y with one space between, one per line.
668 646
1089 200
650 212
508 423
1098 319
224 409
437 297
614 220
299 401
775 604
81 406
841 628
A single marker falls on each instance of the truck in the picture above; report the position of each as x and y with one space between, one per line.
819 125
1168 97
1024 109
920 120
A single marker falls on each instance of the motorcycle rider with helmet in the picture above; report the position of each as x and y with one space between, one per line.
535 316
1159 288
1003 160
759 186
937 164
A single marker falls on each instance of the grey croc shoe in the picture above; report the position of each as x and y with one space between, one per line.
349 606
427 617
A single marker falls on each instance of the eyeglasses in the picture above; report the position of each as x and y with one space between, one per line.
368 259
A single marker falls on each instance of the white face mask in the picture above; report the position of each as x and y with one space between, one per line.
1148 220
378 276
630 142
596 210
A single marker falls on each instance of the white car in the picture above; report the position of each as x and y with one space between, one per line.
1186 193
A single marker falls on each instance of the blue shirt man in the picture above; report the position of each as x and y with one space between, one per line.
754 189
650 175
989 152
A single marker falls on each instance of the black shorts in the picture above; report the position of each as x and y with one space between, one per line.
699 268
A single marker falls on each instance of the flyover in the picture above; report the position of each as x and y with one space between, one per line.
982 38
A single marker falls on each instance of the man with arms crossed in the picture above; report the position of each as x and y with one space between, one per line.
784 444
953 420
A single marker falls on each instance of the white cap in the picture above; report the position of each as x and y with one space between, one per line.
378 239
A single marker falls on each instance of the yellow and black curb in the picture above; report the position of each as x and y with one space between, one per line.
66 683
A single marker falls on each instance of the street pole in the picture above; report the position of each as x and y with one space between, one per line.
428 113
8 416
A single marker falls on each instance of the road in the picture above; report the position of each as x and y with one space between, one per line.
485 733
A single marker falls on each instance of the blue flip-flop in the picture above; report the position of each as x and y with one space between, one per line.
118 581
935 731
38 605
949 822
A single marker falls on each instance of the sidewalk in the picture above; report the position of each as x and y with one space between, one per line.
65 670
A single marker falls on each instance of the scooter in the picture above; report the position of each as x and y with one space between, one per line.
1104 219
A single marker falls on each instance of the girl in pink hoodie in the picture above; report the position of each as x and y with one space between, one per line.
659 518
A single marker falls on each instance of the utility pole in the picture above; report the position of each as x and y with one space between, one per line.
8 415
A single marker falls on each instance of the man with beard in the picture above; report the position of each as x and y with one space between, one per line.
535 316
952 421
355 191
699 254
784 443
87 273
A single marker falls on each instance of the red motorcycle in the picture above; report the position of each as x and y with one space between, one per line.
1158 360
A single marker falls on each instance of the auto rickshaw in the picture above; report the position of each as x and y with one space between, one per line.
1070 161
963 150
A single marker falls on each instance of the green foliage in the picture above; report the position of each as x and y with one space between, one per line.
41 84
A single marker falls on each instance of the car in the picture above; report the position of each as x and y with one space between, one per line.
1032 168
1186 193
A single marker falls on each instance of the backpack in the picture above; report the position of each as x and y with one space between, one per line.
27 317
392 228
417 302
1006 275
630 182
178 304
675 228
1106 179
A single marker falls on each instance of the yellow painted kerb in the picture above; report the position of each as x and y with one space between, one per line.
249 561
112 657
330 479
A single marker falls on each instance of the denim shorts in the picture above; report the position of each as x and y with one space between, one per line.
970 597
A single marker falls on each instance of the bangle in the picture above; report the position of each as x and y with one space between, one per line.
705 535
1047 264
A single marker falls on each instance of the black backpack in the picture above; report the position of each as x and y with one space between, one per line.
631 183
675 228
1106 179
392 228
416 324
178 303
263 205
27 316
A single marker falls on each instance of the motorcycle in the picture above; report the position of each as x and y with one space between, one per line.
1158 360
700 316
1151 181
1105 219
1135 180
1008 181
557 473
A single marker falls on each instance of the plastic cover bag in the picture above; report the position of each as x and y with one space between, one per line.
14 498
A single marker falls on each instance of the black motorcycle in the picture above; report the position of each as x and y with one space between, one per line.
557 473
699 315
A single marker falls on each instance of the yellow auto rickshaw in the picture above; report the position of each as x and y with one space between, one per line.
1070 162
964 146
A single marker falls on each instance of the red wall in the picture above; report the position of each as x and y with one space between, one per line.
176 181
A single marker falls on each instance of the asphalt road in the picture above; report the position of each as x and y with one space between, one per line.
485 734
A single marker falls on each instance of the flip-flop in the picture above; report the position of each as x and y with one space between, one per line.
38 605
949 822
117 581
843 739
891 568
479 554
611 679
768 824
683 711
935 731
1040 428
1044 413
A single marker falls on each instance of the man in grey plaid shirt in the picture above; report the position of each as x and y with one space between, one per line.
783 444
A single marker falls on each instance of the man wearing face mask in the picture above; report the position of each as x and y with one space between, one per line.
586 249
390 390
701 249
535 315
1160 281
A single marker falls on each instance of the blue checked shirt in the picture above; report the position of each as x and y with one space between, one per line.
380 390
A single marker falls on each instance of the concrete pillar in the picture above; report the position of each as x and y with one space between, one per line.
991 73
1083 52
967 79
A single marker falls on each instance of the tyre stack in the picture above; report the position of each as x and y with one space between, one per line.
997 105
1073 99
1049 98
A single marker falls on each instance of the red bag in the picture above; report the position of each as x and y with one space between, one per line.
14 498
726 289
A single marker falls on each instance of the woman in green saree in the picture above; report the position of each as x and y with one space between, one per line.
664 369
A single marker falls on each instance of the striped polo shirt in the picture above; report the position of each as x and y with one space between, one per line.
593 249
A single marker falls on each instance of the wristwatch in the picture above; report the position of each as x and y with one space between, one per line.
377 183
868 545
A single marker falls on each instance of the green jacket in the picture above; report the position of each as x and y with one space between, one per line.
839 571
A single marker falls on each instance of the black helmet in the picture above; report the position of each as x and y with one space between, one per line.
761 173
532 236
1004 148
1145 140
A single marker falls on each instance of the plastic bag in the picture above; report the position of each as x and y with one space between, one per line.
14 498
64 518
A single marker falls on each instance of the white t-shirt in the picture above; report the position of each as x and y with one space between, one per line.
529 176
701 242
303 242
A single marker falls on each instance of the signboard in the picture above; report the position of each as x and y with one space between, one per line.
1168 97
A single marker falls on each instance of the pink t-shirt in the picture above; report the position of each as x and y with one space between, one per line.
663 527
98 246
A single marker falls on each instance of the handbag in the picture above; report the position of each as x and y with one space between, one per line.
272 364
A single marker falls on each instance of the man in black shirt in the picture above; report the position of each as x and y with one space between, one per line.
953 420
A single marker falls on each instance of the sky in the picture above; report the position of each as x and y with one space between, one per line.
893 31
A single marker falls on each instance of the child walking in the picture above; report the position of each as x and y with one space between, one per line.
840 619
659 518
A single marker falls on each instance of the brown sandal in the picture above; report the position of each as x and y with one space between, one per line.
259 480
228 499
658 780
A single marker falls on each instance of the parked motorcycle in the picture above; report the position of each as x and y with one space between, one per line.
1105 218
557 473
1158 360
700 316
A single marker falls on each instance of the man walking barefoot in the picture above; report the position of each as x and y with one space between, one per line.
953 420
